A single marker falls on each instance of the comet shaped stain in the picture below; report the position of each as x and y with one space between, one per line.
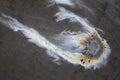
92 50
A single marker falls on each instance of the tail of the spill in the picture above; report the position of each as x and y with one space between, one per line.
30 33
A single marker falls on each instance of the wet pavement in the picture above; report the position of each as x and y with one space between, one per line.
21 60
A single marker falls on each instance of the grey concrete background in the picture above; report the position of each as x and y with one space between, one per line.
21 60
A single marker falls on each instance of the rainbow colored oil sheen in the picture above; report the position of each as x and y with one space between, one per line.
97 49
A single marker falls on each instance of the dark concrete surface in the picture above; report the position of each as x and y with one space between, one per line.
21 60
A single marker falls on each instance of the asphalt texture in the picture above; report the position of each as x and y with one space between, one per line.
21 60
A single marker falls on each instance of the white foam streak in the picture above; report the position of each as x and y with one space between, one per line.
65 14
64 2
35 37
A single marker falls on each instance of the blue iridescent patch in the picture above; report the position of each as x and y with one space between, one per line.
93 47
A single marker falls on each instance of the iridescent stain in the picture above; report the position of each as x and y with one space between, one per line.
93 47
